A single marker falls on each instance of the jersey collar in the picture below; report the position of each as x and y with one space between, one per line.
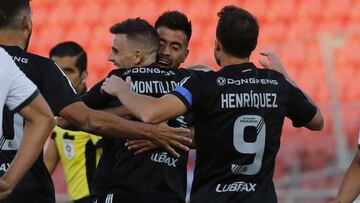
242 66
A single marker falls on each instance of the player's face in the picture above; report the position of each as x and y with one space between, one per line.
68 66
122 55
173 47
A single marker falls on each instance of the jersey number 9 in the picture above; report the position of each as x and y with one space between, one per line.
241 145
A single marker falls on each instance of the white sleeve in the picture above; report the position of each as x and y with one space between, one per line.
359 141
20 90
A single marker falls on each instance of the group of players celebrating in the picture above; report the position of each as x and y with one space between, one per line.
147 104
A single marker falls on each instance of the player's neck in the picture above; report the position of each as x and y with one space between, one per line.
12 38
81 89
227 60
146 62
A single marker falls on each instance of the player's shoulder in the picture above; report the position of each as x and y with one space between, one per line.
8 67
273 75
3 54
117 71
5 58
21 56
40 61
206 75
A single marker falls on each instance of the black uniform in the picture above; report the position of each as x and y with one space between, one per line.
36 186
155 176
239 113
103 173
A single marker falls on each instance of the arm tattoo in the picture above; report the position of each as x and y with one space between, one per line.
87 124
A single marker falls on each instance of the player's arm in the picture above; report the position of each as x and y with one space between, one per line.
121 111
317 123
142 146
274 63
51 156
350 186
145 108
39 121
109 125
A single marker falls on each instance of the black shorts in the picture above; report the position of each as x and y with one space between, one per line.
99 199
87 199
128 198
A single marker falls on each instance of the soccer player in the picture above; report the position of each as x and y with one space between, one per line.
174 30
155 176
36 186
350 186
19 94
239 113
76 149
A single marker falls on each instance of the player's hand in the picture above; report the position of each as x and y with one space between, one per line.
114 85
272 62
167 137
5 189
140 146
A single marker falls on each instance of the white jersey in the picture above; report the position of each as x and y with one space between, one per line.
16 89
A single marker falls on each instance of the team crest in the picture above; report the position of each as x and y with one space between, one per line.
69 149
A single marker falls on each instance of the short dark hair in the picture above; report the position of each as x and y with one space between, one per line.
175 20
237 31
140 31
9 10
71 49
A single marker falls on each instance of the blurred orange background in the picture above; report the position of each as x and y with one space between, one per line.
317 40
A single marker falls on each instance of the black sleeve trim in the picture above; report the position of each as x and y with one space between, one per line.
26 101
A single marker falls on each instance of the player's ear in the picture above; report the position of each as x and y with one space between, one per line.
217 51
138 57
185 56
26 23
217 46
83 76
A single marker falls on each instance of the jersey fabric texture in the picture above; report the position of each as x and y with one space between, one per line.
155 176
36 186
79 157
239 113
